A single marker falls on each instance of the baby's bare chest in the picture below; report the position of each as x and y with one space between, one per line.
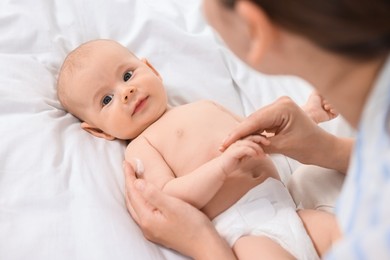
189 136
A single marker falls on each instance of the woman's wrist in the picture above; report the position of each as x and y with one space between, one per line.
342 153
212 246
336 152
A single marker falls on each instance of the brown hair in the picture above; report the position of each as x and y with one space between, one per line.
354 28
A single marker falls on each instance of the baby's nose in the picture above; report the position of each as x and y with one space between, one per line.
127 92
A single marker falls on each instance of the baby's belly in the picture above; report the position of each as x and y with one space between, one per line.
234 188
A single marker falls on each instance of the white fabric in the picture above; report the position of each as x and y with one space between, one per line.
363 209
61 189
314 187
267 210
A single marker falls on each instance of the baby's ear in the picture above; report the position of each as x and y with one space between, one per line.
151 67
96 131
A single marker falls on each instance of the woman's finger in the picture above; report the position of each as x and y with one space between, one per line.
247 127
130 190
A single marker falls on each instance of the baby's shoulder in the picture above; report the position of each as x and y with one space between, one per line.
139 141
139 144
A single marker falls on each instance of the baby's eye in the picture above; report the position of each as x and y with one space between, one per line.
106 100
127 75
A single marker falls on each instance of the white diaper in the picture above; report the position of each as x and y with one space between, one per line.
267 210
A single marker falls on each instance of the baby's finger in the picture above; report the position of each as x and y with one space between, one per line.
250 148
327 106
247 127
255 142
259 139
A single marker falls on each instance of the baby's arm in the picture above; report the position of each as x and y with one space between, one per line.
148 162
199 186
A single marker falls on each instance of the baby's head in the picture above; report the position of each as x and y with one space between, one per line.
113 93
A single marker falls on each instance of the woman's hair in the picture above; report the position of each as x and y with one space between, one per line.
358 29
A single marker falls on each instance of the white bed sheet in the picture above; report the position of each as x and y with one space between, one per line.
61 190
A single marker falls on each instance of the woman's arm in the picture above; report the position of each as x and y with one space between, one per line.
294 135
171 222
332 152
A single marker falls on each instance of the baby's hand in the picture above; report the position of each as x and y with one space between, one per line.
238 153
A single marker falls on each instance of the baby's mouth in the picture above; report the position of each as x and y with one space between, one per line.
139 105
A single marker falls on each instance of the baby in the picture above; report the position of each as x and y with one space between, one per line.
117 95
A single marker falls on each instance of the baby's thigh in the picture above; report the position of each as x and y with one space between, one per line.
259 247
322 228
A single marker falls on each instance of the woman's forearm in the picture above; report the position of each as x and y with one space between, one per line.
334 153
212 246
172 222
342 154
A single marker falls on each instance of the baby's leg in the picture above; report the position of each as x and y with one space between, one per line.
318 109
259 247
322 228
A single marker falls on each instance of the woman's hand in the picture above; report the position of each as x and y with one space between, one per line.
172 222
292 133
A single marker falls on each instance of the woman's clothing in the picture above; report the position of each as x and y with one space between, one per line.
363 209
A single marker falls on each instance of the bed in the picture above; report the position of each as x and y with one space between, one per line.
61 189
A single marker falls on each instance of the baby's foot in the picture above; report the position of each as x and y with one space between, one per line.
319 109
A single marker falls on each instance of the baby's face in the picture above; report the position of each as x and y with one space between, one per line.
116 93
